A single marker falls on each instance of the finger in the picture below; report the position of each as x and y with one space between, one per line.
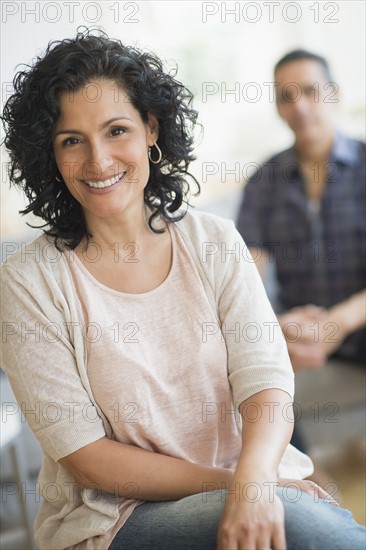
317 360
306 356
226 542
316 311
306 336
314 489
247 543
264 542
279 539
326 496
314 355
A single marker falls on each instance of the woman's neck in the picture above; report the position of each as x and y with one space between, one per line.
128 227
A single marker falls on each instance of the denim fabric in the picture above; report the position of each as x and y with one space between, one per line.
192 522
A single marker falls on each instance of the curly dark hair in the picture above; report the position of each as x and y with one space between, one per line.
30 115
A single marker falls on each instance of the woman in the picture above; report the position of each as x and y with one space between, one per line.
151 358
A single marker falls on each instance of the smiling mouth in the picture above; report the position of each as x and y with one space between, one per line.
106 183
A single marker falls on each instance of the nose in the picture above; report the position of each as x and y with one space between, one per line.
98 163
301 105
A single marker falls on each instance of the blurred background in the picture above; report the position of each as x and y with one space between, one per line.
225 53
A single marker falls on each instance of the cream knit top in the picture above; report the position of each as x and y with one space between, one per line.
165 370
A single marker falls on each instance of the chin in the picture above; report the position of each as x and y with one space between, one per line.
307 135
108 212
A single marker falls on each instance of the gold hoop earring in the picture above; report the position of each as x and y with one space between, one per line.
159 153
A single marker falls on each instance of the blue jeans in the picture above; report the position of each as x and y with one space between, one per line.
191 523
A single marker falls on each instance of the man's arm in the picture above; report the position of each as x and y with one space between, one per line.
350 314
320 332
308 349
261 259
344 318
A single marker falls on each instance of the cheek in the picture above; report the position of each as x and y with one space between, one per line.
325 109
57 159
65 164
286 111
144 172
141 165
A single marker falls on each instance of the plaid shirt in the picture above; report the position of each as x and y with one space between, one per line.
319 249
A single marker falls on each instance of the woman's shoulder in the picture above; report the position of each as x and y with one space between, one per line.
211 240
37 277
200 224
28 259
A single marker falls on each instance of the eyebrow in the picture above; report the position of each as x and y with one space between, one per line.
101 126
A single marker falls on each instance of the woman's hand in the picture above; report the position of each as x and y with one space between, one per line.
255 521
309 487
253 517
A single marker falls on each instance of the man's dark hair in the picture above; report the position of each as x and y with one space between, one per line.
300 55
30 115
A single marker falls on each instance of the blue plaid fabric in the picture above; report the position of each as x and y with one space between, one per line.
319 249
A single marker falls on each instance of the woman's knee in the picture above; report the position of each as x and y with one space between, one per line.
311 523
189 523
192 522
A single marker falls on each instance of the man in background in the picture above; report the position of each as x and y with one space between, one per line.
304 209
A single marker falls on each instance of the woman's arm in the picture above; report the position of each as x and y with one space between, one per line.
253 515
40 361
133 472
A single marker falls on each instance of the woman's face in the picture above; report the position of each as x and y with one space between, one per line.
101 148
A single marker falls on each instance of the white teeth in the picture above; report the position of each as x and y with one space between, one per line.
107 183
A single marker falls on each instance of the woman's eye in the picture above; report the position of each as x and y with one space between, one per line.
120 130
73 141
68 141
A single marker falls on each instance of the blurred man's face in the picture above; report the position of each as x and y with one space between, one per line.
305 101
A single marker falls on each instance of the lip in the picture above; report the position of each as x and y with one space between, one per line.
102 179
103 190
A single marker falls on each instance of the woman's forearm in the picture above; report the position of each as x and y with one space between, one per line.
137 473
253 515
140 474
266 438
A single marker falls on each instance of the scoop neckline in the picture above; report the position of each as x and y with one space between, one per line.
76 261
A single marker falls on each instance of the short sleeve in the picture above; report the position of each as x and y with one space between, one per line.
257 351
39 360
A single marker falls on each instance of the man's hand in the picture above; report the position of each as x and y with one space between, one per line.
313 333
300 326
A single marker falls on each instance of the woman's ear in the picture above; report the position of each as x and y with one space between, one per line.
152 129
